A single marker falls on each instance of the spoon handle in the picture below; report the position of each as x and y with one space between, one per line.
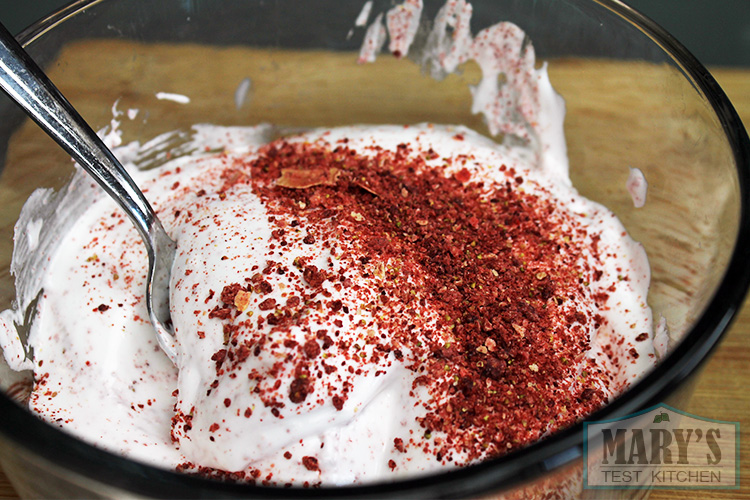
29 87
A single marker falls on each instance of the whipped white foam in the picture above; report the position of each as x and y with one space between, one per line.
637 187
364 14
171 96
375 37
403 22
103 354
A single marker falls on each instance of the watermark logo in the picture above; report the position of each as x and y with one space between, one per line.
662 448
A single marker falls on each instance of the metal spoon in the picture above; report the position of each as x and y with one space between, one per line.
29 87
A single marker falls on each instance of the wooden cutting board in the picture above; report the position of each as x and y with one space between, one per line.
722 390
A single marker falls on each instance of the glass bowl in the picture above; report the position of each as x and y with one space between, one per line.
635 98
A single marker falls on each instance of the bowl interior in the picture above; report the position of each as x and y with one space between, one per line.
630 103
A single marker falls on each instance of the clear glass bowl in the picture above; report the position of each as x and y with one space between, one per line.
634 97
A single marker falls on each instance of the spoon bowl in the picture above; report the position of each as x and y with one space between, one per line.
27 85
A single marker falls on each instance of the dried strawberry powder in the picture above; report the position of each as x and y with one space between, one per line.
502 355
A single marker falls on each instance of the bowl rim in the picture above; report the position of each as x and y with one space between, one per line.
81 459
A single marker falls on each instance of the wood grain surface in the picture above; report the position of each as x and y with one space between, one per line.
722 389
